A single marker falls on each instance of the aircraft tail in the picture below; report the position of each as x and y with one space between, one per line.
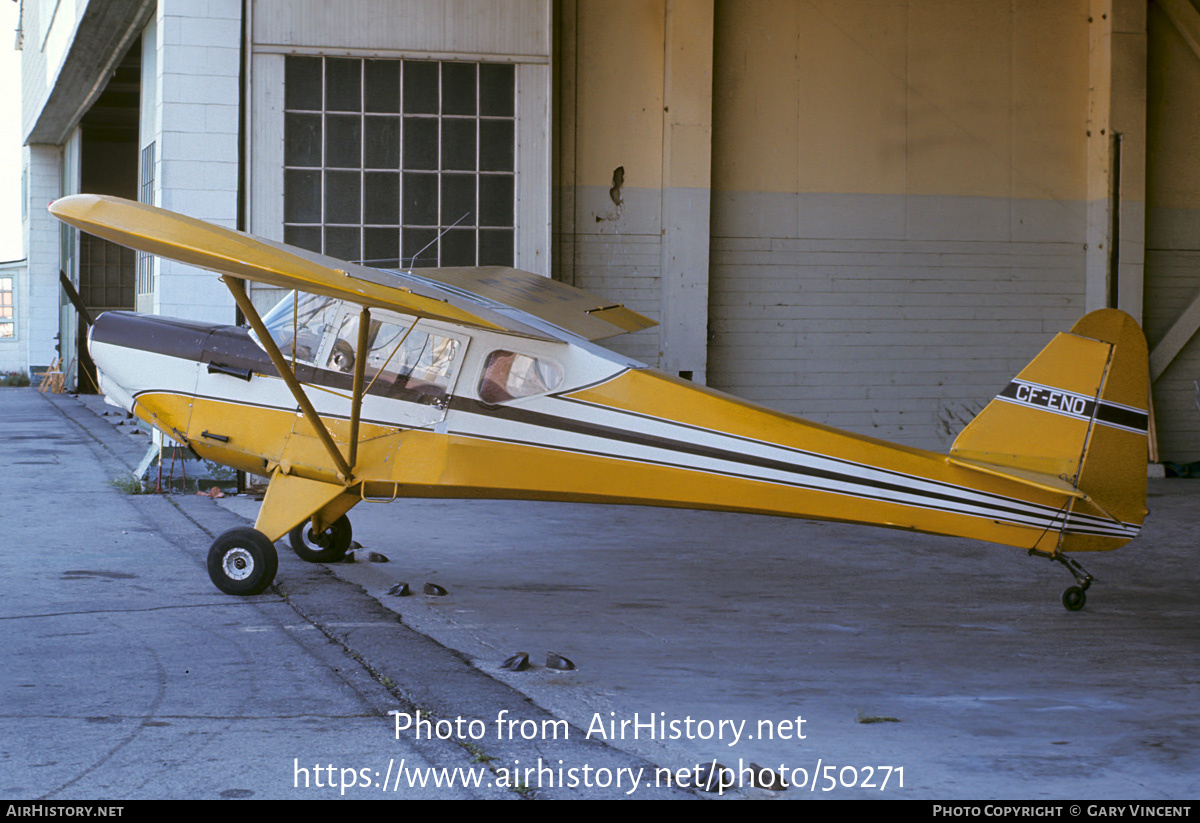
1075 419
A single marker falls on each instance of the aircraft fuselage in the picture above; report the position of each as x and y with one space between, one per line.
610 430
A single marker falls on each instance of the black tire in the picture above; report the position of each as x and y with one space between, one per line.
242 561
1074 598
327 547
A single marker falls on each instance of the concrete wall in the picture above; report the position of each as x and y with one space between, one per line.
516 28
633 177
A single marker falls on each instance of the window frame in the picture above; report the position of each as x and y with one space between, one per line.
410 236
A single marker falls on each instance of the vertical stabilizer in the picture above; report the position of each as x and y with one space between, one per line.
1078 412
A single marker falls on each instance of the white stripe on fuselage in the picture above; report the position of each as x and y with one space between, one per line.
856 480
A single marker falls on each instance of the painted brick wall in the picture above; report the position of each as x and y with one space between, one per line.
900 339
624 269
34 86
42 251
196 126
616 253
46 29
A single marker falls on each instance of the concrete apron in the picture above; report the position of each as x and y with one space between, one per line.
127 675
980 683
950 660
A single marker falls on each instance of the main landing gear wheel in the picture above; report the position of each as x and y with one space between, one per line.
328 546
242 561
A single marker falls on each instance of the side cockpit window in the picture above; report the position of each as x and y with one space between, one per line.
397 354
508 375
402 361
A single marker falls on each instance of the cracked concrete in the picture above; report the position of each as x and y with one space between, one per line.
128 675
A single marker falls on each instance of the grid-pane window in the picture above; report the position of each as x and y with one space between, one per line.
400 162
106 273
8 321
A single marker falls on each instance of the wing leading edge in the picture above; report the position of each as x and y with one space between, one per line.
489 297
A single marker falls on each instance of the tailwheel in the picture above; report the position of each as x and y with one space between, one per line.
1073 597
328 546
242 561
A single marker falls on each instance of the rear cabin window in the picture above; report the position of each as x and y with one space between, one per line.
508 375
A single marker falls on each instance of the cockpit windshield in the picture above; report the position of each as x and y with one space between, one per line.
299 323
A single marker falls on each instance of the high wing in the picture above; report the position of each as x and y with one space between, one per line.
495 297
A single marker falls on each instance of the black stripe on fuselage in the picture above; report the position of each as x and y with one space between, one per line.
1000 504
1123 417
1106 522
1049 520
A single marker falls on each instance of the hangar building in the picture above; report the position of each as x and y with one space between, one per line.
870 213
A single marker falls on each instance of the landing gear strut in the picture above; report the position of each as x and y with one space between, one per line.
1073 597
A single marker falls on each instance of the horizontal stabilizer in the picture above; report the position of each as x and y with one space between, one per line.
1045 482
1037 480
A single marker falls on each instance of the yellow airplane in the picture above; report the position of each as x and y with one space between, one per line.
369 385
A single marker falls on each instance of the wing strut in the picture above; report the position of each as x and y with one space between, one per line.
238 289
360 366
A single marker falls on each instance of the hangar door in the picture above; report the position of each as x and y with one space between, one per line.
1172 285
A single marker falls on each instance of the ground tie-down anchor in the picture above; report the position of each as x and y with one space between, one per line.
1073 597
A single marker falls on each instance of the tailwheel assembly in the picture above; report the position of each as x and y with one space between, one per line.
242 561
1073 597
